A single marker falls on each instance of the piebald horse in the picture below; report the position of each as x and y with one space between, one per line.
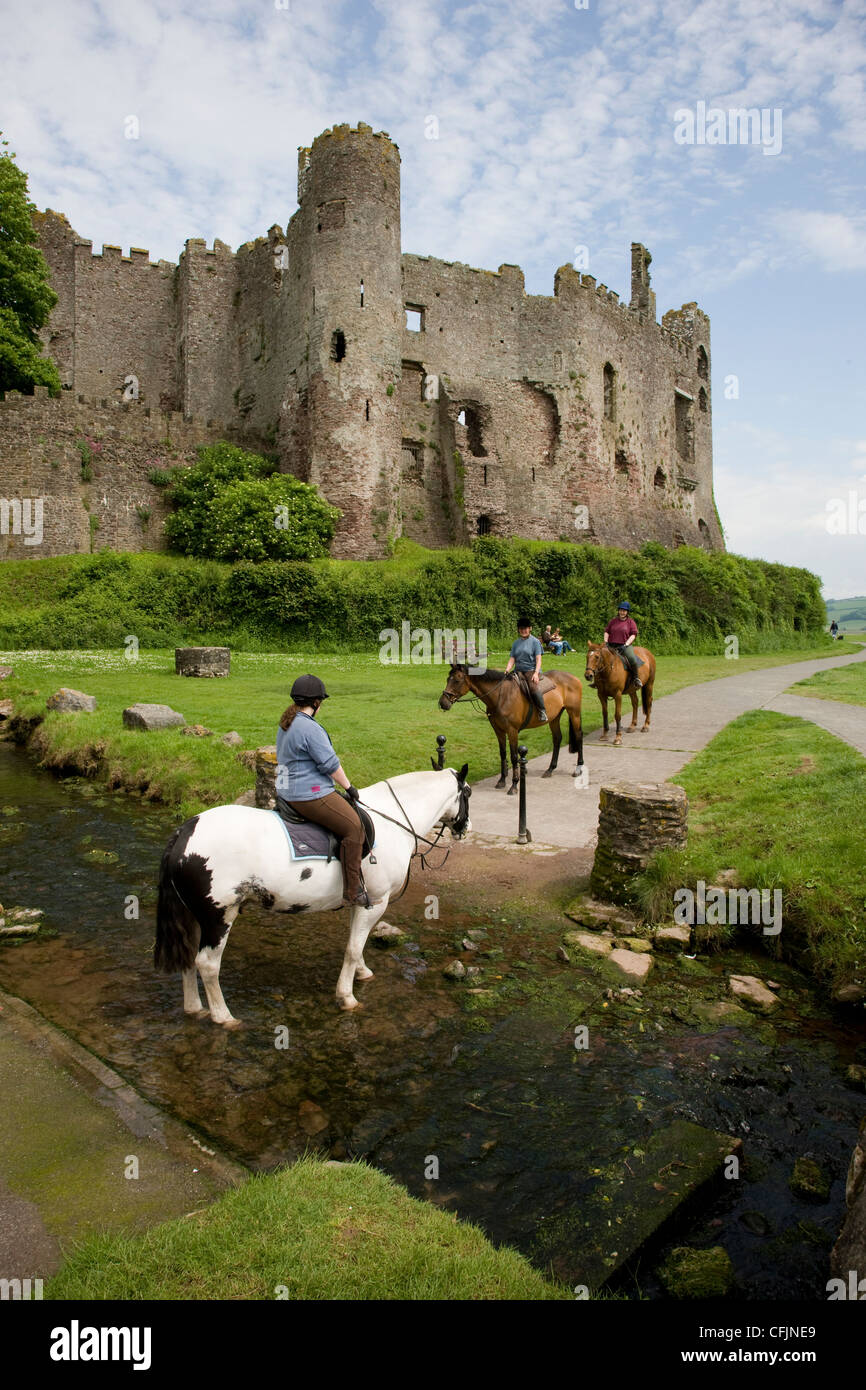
509 711
606 672
231 855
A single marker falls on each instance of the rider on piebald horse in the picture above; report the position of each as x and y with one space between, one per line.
620 634
307 768
525 657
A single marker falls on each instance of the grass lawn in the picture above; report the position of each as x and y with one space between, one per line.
781 802
848 684
383 719
310 1231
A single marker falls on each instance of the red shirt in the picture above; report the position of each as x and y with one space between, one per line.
619 630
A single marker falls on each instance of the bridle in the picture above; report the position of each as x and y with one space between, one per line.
476 700
458 824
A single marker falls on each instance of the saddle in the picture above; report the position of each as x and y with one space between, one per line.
307 840
629 676
544 684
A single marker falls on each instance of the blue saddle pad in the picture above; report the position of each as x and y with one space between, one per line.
309 841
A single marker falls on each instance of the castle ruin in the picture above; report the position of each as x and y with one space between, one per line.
423 397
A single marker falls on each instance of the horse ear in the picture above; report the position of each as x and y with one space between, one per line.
434 764
461 776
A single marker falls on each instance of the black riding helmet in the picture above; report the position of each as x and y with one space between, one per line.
308 688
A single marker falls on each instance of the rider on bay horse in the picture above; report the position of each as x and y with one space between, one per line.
525 656
307 768
620 634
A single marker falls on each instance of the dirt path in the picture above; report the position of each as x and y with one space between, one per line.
562 816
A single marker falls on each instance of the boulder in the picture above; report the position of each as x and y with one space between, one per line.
385 935
68 701
455 970
753 991
672 938
634 966
150 717
808 1181
202 661
232 740
600 945
851 993
636 943
599 916
197 731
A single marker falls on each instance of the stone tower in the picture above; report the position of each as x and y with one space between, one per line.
349 215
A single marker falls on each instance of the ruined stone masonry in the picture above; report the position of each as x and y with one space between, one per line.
423 397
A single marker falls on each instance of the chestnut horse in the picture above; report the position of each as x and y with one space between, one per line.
509 711
606 672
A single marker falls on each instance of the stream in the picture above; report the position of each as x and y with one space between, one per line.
488 1084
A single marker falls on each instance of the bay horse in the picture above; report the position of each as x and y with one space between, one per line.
606 672
231 855
509 711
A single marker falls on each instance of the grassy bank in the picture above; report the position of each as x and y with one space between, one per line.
847 684
311 1231
685 600
779 801
383 719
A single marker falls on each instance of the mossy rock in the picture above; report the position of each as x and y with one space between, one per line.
809 1182
688 1273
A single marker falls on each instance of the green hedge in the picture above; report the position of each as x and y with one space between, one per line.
687 600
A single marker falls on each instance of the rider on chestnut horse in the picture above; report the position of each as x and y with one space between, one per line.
620 634
525 656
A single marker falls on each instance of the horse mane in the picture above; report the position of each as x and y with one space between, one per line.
489 671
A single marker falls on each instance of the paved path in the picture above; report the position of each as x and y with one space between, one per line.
562 815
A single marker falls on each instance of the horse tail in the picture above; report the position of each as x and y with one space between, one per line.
177 931
644 698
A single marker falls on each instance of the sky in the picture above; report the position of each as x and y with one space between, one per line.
527 131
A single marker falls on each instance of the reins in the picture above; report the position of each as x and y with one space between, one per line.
416 853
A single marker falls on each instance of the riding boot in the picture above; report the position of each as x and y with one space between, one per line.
538 701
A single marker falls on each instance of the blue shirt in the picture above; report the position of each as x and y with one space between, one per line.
524 651
305 760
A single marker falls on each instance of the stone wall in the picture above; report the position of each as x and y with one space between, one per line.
569 415
117 506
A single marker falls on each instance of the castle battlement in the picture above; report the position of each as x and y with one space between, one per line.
425 397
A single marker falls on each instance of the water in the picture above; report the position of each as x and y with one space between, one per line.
490 1085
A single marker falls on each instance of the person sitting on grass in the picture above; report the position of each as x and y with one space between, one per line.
558 643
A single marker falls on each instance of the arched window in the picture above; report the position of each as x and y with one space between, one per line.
702 400
705 531
609 392
482 526
660 480
703 364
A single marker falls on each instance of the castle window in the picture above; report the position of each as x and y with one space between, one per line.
679 539
332 215
660 480
620 461
705 532
362 294
703 364
609 392
366 410
702 400
413 461
482 526
412 383
338 345
485 475
684 408
471 420
415 318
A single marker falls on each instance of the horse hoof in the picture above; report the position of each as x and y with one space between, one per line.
197 1013
548 773
499 785
617 743
363 973
232 1023
348 1004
